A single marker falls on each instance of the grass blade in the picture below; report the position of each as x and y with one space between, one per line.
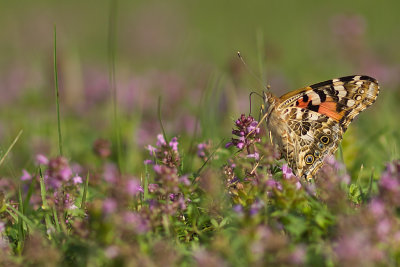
10 147
57 93
85 189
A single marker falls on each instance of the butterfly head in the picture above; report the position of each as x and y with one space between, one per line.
269 101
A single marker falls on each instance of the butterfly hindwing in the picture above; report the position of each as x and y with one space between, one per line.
314 136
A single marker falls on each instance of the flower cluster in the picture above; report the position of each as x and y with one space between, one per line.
248 132
163 153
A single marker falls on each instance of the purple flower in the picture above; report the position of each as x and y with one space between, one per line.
109 206
111 252
41 160
110 173
255 155
133 187
148 162
160 140
200 150
152 150
377 208
25 175
184 180
174 144
287 171
247 131
140 224
77 179
157 169
238 209
256 207
2 227
153 188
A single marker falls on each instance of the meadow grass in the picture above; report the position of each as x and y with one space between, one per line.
138 173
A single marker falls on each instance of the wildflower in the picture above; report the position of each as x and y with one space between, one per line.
377 208
140 224
133 187
287 171
201 150
184 180
255 155
41 160
102 148
256 207
110 173
25 175
174 144
148 162
153 188
77 179
161 140
238 209
109 206
152 150
111 252
163 153
247 131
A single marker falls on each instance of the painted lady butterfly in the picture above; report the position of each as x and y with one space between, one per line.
308 124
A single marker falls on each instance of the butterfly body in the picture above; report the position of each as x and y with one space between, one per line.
308 124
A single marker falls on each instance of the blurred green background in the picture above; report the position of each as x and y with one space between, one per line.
185 52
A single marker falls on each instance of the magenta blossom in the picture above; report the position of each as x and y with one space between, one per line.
25 175
133 187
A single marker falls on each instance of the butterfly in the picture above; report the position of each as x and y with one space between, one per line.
308 124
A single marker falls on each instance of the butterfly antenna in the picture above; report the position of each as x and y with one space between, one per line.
252 72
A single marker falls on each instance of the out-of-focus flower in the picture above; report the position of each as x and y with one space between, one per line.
255 156
2 227
110 173
133 187
25 175
389 185
161 140
109 206
184 180
140 224
77 179
102 148
256 207
287 171
111 252
152 150
41 159
174 144
58 172
153 188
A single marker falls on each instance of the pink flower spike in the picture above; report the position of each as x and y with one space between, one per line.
41 159
25 175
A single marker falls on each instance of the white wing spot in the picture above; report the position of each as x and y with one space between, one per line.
351 102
